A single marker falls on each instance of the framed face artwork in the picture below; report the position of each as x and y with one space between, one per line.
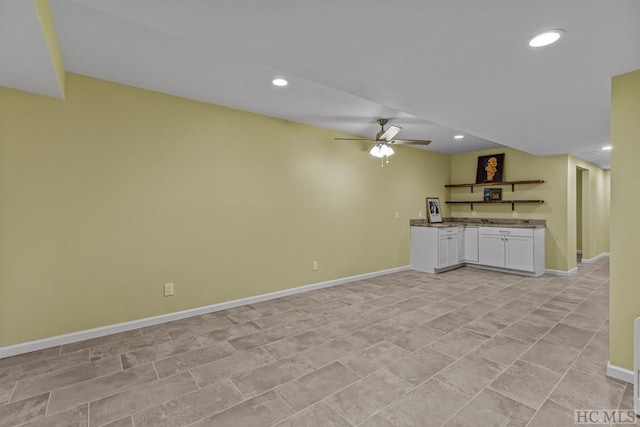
490 168
433 210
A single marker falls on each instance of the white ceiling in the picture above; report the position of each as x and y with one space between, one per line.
436 68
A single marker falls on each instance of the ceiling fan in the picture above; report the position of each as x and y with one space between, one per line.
384 139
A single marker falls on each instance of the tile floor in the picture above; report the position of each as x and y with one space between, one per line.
464 348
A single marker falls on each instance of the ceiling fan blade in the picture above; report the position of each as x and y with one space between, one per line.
353 139
411 142
388 134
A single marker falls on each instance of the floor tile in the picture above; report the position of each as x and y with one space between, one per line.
470 374
319 415
333 350
269 376
42 367
578 390
74 395
552 415
225 334
128 402
295 344
362 399
227 367
458 343
151 354
593 359
33 356
583 321
525 331
526 383
95 342
449 322
417 337
430 404
85 372
372 358
23 411
569 336
316 385
502 350
120 347
182 362
492 409
191 407
420 365
76 417
556 357
123 422
5 392
264 410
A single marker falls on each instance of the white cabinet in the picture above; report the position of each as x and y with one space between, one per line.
434 248
469 244
519 249
448 247
519 253
492 250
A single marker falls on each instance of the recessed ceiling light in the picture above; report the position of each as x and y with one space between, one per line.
279 82
458 137
546 38
606 148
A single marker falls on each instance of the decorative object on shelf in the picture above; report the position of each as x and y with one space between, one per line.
492 194
490 168
485 200
433 210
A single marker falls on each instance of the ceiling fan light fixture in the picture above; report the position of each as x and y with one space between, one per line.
279 81
381 150
546 38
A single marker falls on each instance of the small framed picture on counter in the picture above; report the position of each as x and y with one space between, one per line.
433 210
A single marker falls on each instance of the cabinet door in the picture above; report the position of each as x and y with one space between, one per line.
519 253
443 251
491 250
470 244
453 249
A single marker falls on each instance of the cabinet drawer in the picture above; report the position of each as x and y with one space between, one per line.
447 231
522 232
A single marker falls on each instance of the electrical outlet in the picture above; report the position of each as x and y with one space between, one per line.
514 214
397 215
419 214
168 289
314 265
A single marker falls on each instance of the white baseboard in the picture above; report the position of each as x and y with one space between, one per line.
619 373
562 273
30 346
594 259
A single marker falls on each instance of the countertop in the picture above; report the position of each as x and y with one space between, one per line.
481 222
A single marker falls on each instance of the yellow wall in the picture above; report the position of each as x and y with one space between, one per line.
595 207
106 196
624 288
522 166
558 192
579 173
